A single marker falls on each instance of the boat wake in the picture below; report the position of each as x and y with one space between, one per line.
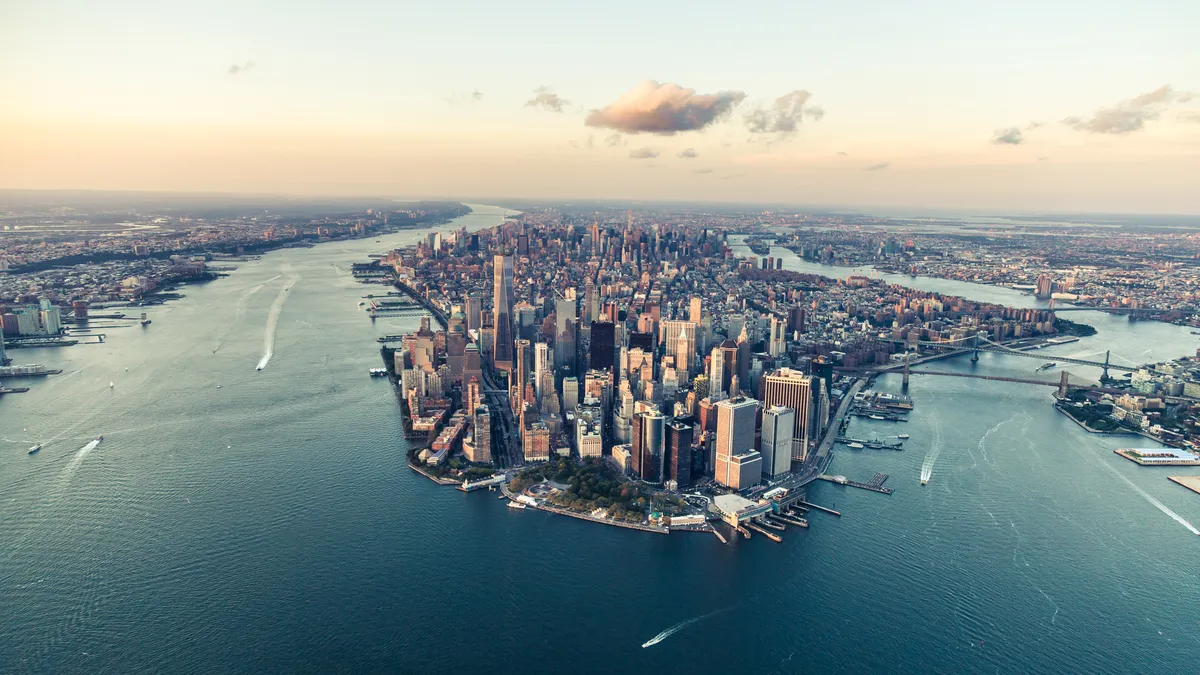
273 322
934 451
680 626
1150 498
80 454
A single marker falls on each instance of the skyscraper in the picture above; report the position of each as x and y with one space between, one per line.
482 447
792 389
777 344
502 303
521 367
647 442
564 334
541 365
735 435
602 355
696 310
778 425
729 354
678 452
473 309
685 349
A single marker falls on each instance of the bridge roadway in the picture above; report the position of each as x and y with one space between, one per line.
995 348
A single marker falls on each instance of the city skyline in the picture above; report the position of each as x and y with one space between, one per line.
1087 108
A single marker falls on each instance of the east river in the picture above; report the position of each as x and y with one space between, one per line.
245 521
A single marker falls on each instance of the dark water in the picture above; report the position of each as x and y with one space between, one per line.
271 525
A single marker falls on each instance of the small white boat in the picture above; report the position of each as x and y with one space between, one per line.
218 386
855 445
516 505
111 385
902 436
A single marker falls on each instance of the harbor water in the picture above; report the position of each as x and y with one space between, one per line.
271 525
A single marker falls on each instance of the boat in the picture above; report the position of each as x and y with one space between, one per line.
111 385
35 448
1047 366
924 481
100 438
144 321
218 386
516 505
877 417
902 436
856 445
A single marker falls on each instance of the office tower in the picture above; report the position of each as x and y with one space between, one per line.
778 425
1045 287
472 394
525 323
502 305
541 366
685 348
729 358
482 447
472 366
745 469
716 371
700 386
570 393
647 445
796 319
792 389
644 341
743 356
777 344
564 335
473 309
602 355
678 453
591 299
521 355
670 331
822 368
456 355
696 310
735 434
3 357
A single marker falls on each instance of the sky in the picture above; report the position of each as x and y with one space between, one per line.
1065 105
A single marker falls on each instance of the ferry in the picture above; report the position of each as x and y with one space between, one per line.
877 417
35 448
902 436
516 505
1047 366
856 445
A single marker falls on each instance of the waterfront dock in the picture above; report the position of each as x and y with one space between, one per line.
874 485
720 536
790 520
1190 482
498 479
822 508
766 533
1159 456
870 443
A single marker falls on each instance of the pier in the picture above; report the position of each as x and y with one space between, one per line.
766 533
822 508
720 536
13 390
790 520
874 485
872 444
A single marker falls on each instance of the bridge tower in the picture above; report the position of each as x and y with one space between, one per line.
1104 376
975 354
904 386
1062 384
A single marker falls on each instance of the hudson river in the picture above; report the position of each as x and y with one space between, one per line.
271 525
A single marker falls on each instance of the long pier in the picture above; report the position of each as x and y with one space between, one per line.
874 485
821 508
766 533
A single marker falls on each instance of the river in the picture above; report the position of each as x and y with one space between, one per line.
271 525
